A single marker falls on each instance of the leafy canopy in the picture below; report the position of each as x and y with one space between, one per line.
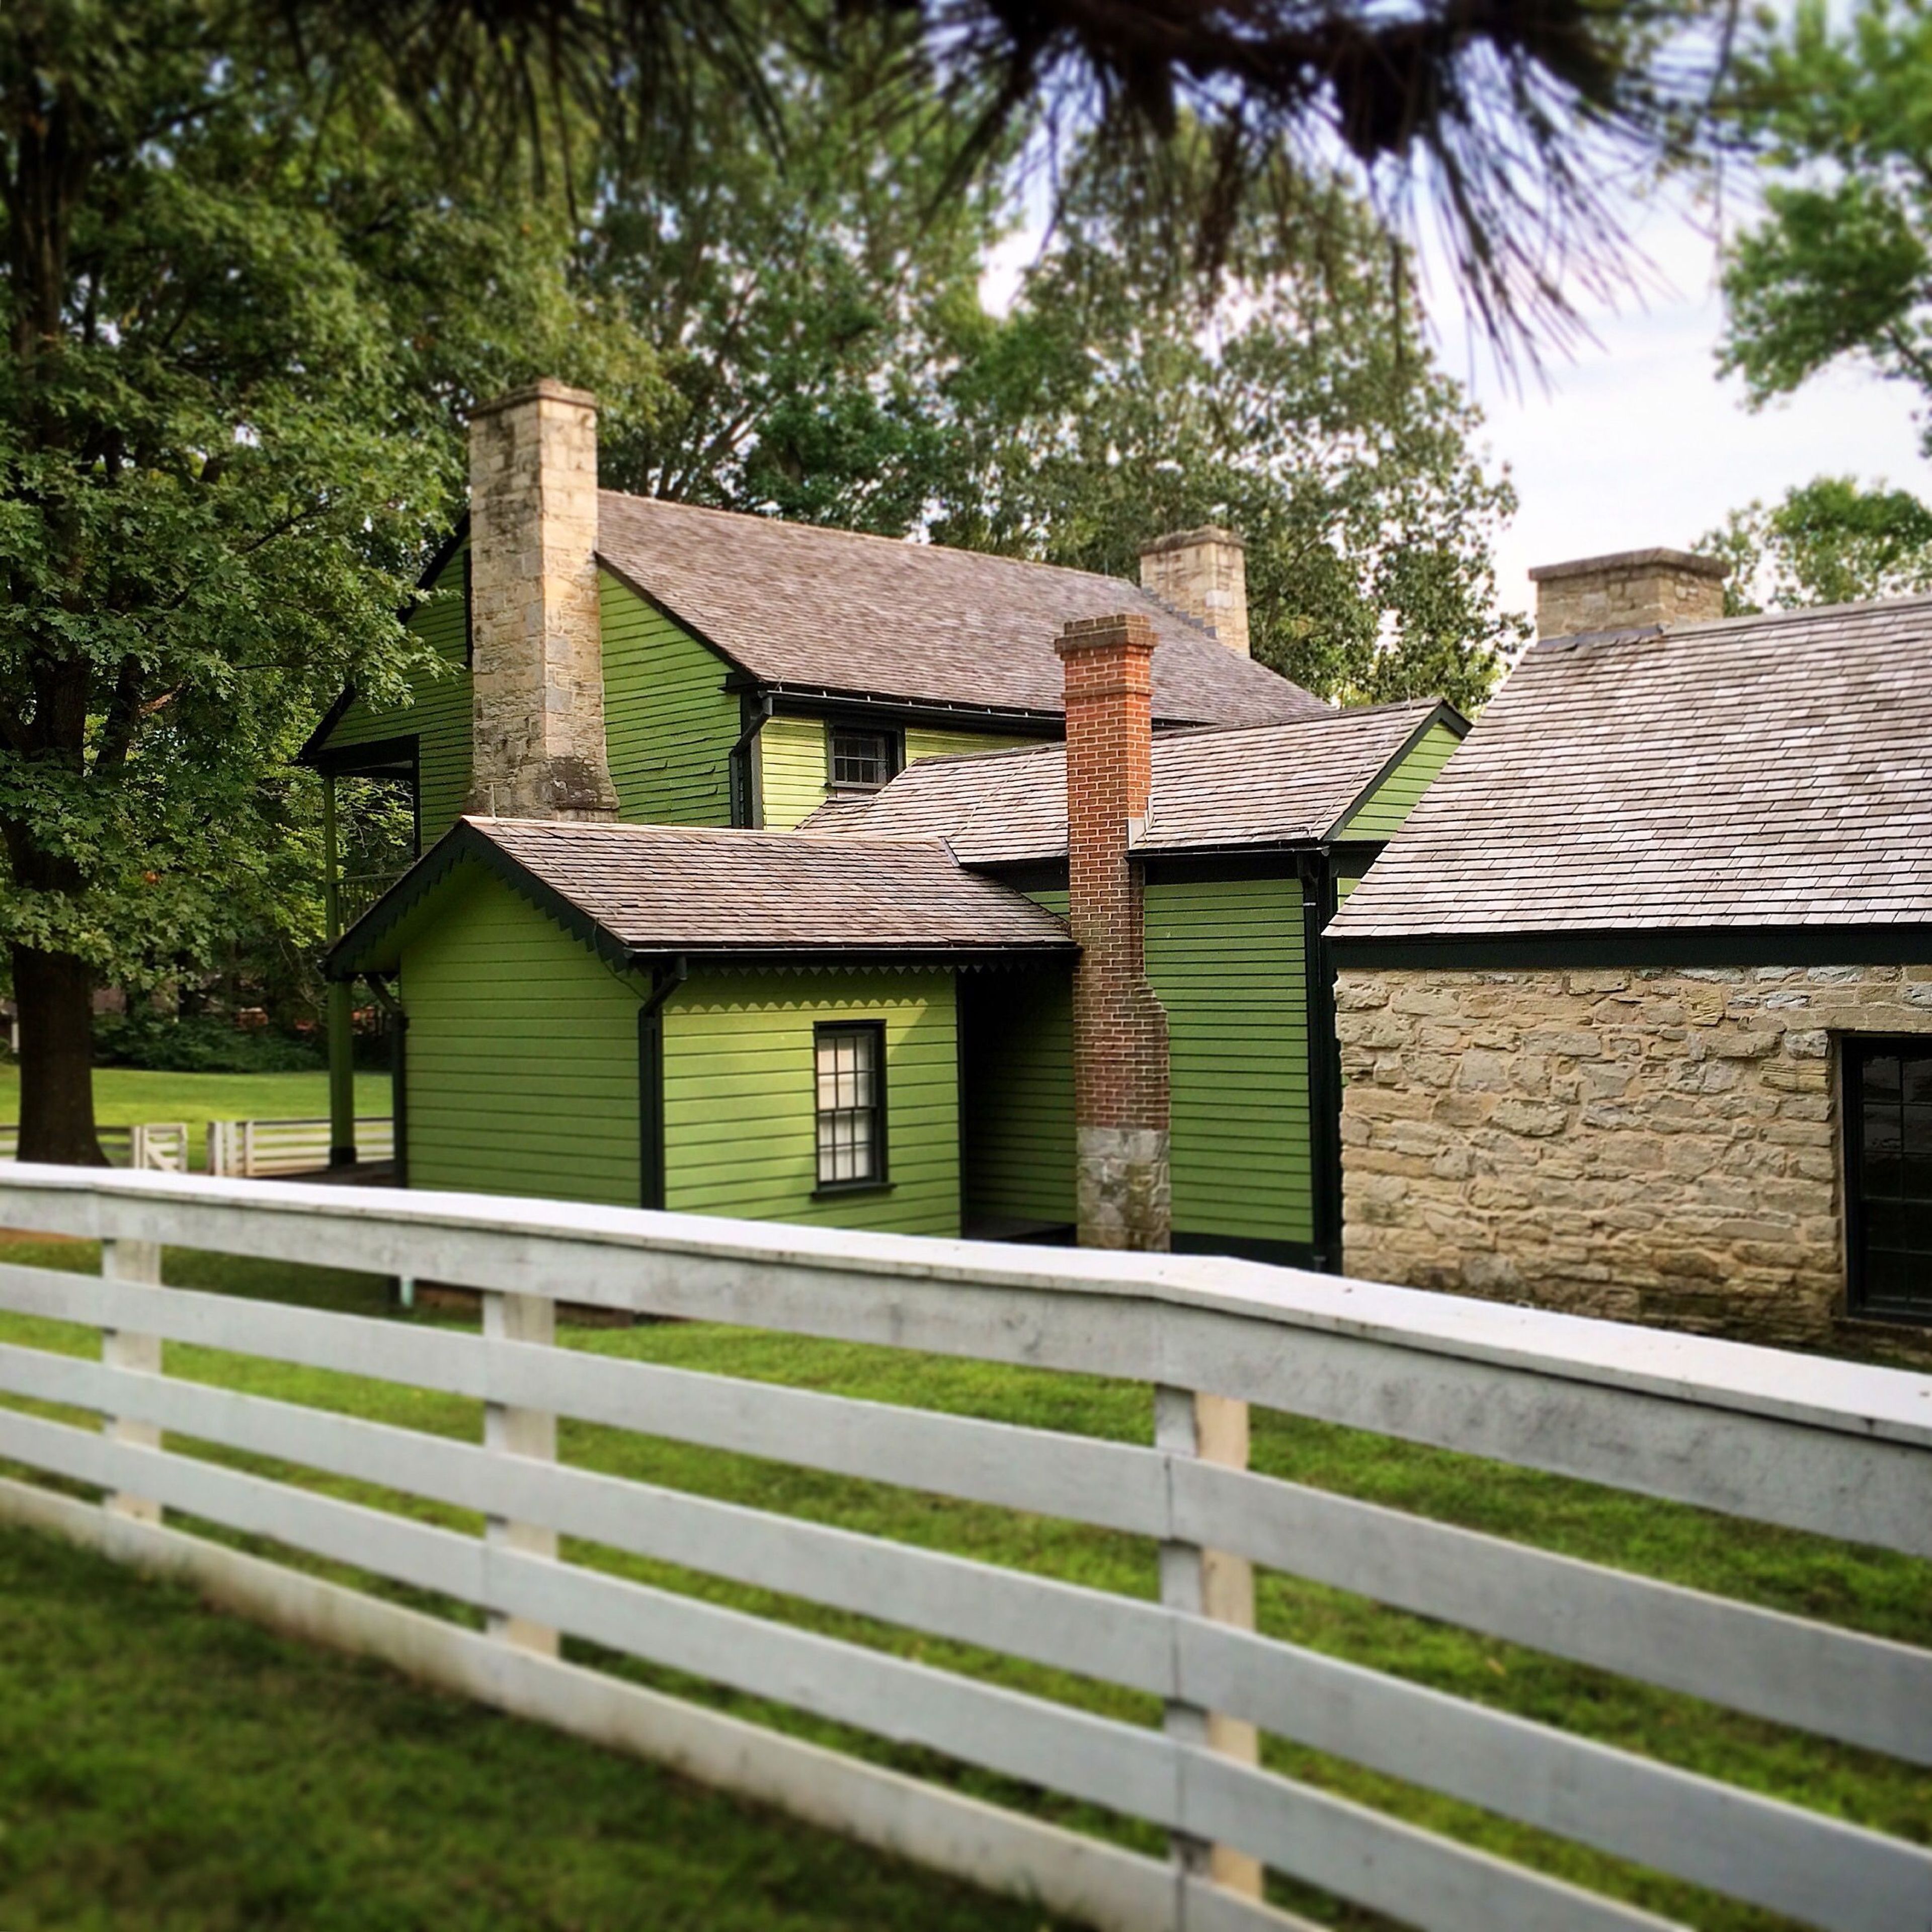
1299 407
239 339
1829 541
1839 269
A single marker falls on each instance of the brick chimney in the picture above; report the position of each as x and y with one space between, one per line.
1630 590
1204 573
536 641
1120 1029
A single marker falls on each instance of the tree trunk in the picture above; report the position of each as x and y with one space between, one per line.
55 992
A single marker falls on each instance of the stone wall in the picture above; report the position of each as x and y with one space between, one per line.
1203 573
1631 590
536 631
1660 1146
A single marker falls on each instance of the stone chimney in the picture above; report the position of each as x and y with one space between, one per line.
1120 1029
1204 573
1632 590
536 641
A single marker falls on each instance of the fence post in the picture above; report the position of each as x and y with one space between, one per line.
131 1261
511 1431
1214 1584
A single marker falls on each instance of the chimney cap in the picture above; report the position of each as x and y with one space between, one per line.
544 389
1186 540
1121 630
1689 561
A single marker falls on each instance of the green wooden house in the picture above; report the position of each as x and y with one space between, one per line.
868 1022
743 873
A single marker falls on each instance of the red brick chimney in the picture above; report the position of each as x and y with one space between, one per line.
1120 1029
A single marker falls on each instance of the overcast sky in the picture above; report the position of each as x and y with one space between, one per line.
1633 441
1636 442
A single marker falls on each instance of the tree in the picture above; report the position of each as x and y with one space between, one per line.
241 320
799 293
1829 541
258 254
1299 406
1839 109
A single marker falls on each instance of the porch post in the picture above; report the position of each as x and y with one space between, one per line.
341 1008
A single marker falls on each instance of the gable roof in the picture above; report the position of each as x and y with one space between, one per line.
636 892
826 610
1764 771
1277 784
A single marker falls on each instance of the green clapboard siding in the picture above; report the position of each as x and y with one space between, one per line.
740 1135
791 770
1020 1146
794 762
437 715
1381 813
1224 957
522 1053
920 744
669 725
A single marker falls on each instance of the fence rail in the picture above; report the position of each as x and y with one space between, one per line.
1831 1447
248 1149
161 1146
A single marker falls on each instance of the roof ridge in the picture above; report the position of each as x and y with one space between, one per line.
908 542
1804 613
788 834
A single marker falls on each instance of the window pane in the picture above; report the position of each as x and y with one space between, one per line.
848 1097
858 758
1889 1099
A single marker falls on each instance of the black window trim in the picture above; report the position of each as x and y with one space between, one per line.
1853 1051
891 741
880 1180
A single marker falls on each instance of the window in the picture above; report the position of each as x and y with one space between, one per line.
860 758
851 1104
1888 1086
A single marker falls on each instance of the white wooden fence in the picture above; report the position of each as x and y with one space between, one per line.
1820 1446
158 1145
252 1148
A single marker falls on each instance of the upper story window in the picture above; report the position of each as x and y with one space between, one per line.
860 758
851 1104
1888 1091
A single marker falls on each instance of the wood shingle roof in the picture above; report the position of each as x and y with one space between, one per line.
821 610
646 890
1763 772
1278 785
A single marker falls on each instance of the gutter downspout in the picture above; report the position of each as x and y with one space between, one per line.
665 980
747 807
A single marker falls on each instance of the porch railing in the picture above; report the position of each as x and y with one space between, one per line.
1842 1450
248 1149
160 1145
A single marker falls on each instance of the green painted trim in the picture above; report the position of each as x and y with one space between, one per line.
664 610
1445 716
360 950
878 1183
1661 948
426 580
1318 903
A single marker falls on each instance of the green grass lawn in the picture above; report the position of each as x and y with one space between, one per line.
1860 1588
164 1767
124 1096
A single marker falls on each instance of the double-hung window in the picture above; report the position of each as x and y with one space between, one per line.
1887 1108
860 758
851 1072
